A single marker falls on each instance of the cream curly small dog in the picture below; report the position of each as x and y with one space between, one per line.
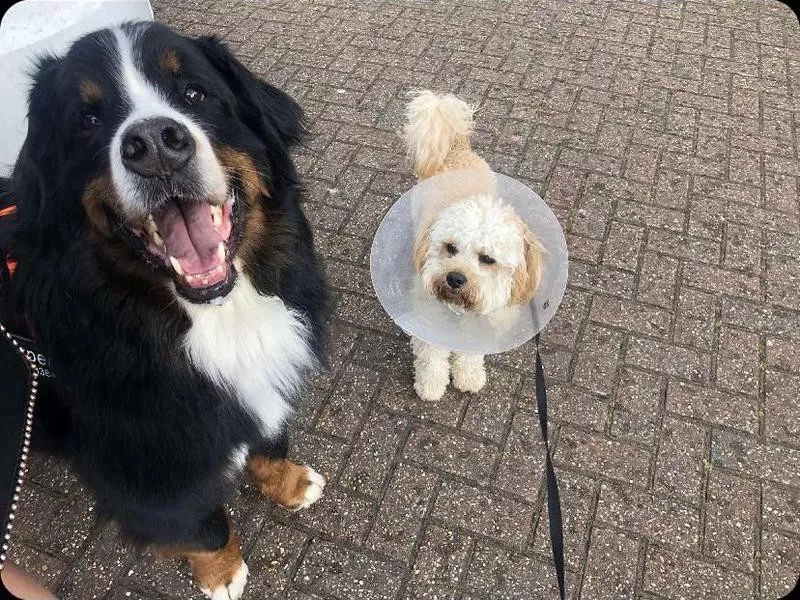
472 250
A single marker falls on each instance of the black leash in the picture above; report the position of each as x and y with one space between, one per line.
553 500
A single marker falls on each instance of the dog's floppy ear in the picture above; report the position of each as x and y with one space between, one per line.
35 178
528 275
421 245
262 104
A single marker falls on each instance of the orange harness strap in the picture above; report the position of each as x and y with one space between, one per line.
11 264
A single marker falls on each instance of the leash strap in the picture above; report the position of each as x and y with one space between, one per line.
20 381
553 500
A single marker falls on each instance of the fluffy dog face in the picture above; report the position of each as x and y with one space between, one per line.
478 256
164 148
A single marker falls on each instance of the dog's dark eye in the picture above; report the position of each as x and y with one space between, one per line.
89 121
486 259
194 95
451 248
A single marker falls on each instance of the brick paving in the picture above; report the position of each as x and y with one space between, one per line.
664 134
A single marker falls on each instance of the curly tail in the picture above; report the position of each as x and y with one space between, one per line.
434 124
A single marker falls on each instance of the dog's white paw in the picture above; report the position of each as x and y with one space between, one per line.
469 379
234 589
430 389
313 492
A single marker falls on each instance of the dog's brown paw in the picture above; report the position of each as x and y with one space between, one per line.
233 589
287 484
221 575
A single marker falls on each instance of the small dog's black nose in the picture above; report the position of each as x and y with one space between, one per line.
156 147
456 280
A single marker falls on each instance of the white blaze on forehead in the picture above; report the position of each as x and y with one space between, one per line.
147 101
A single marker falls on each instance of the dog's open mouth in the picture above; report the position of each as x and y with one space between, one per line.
194 240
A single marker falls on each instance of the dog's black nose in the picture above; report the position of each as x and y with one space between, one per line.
456 280
156 147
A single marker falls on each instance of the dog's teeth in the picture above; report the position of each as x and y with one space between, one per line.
176 265
216 215
221 252
157 239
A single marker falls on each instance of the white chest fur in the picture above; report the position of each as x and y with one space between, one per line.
253 345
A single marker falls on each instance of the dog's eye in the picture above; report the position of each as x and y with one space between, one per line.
451 248
486 259
89 121
194 95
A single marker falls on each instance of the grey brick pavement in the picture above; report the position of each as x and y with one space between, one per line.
665 136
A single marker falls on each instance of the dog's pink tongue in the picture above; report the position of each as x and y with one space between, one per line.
189 235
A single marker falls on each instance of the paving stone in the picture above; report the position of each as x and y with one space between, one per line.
638 405
715 280
592 452
623 246
498 573
782 418
347 404
730 520
345 573
611 566
654 516
597 362
102 562
780 564
400 514
440 564
339 514
669 359
755 458
713 406
373 454
522 462
680 461
686 247
683 577
457 454
780 507
631 316
578 495
657 280
743 248
46 569
272 559
491 515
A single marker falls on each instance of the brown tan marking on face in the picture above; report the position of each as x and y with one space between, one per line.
255 220
98 193
170 62
236 162
280 480
90 91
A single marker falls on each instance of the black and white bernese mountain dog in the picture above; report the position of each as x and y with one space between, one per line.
165 264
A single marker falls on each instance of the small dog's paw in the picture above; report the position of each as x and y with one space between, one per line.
469 379
233 590
430 390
